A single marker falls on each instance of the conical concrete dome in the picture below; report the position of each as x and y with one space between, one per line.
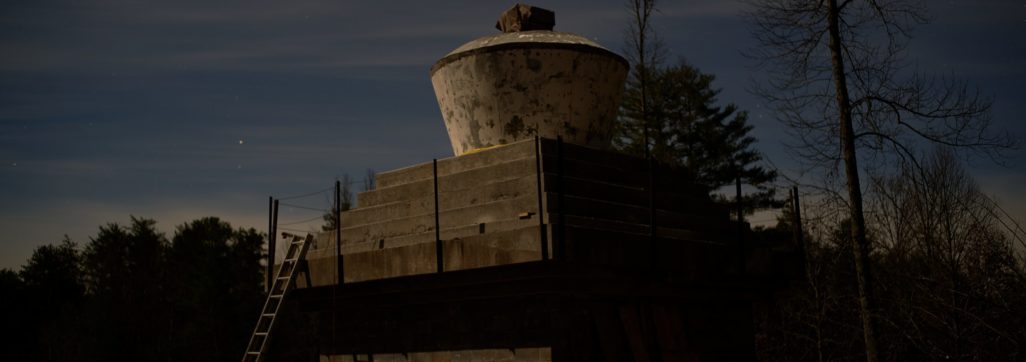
503 88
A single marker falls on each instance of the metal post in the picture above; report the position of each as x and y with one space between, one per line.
438 233
561 246
270 232
654 248
740 226
644 132
272 244
541 214
740 213
340 275
338 233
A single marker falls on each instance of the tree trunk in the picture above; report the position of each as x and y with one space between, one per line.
641 13
860 246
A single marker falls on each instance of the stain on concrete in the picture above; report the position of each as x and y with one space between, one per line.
514 127
569 129
534 65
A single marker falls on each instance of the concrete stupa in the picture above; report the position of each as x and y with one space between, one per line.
528 81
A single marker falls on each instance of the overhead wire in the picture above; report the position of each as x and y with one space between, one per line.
354 182
1015 223
319 217
303 207
296 230
306 195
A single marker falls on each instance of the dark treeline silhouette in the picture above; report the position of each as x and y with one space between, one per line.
132 294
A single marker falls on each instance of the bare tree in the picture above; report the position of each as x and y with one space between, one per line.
838 79
951 268
948 280
644 52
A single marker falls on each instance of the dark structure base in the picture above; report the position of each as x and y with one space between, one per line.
580 312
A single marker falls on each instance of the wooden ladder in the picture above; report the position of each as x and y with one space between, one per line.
283 282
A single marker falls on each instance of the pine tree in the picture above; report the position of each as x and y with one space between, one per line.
686 127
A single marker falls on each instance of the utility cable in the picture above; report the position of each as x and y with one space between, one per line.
319 217
296 230
306 195
303 207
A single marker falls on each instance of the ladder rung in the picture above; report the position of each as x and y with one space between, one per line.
270 310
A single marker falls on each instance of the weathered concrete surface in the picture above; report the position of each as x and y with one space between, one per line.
512 86
447 200
498 172
490 212
489 216
451 165
373 261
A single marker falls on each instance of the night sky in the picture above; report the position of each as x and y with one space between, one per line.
176 110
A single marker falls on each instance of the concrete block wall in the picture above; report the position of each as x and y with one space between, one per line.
488 214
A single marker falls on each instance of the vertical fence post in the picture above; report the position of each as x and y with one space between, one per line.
541 214
270 231
561 246
438 233
740 224
796 218
339 275
740 212
653 247
338 234
272 244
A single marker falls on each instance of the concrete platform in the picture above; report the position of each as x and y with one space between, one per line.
609 290
489 214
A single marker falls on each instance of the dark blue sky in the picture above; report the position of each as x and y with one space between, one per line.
174 110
